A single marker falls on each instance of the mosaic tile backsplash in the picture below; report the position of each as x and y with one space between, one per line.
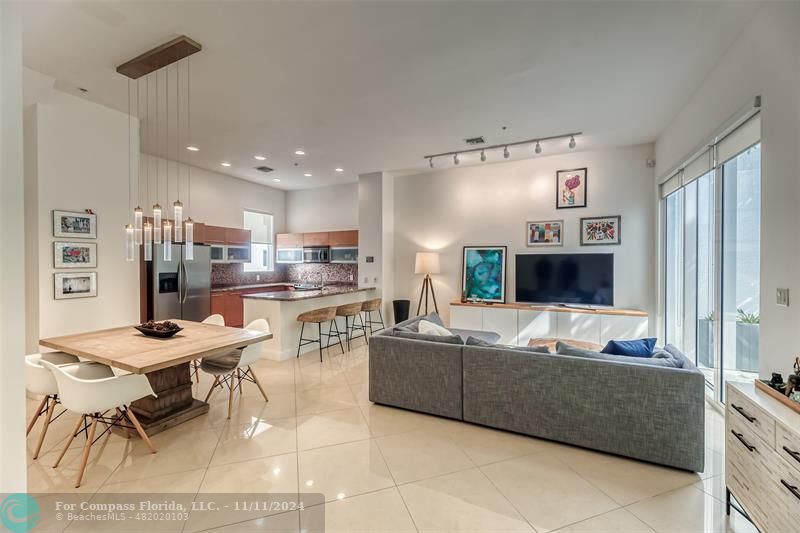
226 274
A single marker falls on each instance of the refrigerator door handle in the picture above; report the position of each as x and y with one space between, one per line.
180 282
185 277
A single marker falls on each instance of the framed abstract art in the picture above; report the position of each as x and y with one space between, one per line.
601 231
73 224
571 188
484 273
545 233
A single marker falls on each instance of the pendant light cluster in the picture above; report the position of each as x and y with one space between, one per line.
537 148
154 75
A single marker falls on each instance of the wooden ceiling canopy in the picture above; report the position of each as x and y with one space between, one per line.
159 57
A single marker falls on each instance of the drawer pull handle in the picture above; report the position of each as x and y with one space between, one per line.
791 489
795 455
741 411
747 445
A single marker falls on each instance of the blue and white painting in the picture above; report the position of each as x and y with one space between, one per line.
484 276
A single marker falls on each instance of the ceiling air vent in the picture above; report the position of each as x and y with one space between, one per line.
472 141
264 168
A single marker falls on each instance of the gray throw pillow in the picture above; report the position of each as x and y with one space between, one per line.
412 324
566 349
474 341
449 339
679 356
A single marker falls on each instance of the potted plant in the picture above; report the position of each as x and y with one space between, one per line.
747 328
705 341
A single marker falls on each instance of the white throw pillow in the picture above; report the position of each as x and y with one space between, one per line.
429 328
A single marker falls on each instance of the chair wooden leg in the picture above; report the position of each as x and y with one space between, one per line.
230 396
51 406
139 429
69 440
213 385
258 383
36 415
86 449
239 380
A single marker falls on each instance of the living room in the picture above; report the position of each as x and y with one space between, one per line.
508 266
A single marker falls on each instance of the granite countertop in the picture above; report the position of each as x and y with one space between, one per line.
225 288
293 296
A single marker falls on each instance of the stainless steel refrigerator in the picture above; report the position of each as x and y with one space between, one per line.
179 288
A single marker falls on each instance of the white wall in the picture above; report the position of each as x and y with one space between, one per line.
764 60
490 204
322 209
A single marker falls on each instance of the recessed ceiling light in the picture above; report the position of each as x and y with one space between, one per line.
276 180
299 152
307 174
193 148
259 157
225 164
338 169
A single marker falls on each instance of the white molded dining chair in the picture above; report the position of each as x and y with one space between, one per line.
40 381
233 368
214 320
91 389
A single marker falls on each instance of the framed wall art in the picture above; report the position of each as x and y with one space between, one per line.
71 224
75 285
484 273
545 233
571 188
601 230
74 254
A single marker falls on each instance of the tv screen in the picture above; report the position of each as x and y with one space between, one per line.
585 279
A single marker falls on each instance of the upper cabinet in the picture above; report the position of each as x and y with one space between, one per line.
215 235
289 240
237 236
320 238
343 239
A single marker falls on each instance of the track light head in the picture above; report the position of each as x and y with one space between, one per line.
483 156
506 153
456 160
572 143
430 162
538 148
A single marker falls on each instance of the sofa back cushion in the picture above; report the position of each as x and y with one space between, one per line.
413 335
432 328
659 358
474 341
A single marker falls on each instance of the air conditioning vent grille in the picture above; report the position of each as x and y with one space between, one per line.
472 141
264 168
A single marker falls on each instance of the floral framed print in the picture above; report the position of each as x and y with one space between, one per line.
77 285
74 254
601 230
571 188
484 273
72 224
546 233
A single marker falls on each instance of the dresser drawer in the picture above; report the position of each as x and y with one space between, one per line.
742 409
786 488
787 444
748 471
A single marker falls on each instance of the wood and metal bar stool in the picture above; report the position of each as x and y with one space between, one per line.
351 313
371 306
318 316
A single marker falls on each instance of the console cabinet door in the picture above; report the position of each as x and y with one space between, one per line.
535 325
578 326
466 317
613 327
503 322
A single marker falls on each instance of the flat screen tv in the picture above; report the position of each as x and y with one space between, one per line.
572 279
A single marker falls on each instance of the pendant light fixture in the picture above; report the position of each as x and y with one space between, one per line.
157 225
130 251
177 206
188 247
148 226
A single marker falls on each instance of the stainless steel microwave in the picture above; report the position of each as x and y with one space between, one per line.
316 254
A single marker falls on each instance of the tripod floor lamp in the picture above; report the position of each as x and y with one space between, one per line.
427 263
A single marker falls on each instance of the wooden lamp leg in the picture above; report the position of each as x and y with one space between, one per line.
421 292
433 294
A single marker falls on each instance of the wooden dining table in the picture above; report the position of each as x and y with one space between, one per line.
165 362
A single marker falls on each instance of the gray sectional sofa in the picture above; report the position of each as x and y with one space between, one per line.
651 413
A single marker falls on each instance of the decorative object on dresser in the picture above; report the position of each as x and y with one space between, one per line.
484 273
571 188
601 230
427 263
547 233
74 254
73 224
75 285
762 457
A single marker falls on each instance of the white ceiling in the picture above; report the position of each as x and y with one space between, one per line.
376 85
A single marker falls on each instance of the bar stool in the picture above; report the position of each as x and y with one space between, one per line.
318 316
368 307
353 311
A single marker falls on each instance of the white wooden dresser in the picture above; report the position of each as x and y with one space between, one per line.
762 457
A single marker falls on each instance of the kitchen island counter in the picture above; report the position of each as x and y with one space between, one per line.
295 295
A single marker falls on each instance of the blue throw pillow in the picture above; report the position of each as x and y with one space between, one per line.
632 348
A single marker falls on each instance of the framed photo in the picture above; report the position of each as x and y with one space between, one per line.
75 285
571 188
546 233
601 230
74 254
484 273
72 224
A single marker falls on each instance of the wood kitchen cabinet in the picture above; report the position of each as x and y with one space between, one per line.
237 236
234 309
289 240
199 232
320 238
218 303
214 235
343 239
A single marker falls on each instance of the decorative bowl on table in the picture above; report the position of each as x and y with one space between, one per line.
161 330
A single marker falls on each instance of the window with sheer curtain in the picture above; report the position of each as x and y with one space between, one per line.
262 258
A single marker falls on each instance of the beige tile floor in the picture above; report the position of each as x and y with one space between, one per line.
385 469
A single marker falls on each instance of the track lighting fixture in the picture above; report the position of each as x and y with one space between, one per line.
572 143
430 162
483 156
506 153
538 148
535 142
455 159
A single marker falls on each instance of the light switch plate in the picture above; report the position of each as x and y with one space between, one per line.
782 297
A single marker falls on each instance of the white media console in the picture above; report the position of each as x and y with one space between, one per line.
518 323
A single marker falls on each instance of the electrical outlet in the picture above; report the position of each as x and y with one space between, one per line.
782 297
258 277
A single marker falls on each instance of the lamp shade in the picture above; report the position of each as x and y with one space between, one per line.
427 263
